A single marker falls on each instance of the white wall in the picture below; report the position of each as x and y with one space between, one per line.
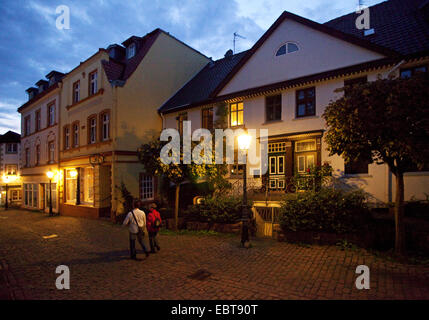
318 52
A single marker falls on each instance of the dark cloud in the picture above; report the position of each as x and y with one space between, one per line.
31 45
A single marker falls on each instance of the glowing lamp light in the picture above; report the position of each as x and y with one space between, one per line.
50 174
244 141
8 179
73 173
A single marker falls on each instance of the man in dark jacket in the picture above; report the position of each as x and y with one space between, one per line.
153 225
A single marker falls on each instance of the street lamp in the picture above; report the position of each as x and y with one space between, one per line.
6 180
50 175
244 144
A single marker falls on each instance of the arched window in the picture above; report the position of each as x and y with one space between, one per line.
288 47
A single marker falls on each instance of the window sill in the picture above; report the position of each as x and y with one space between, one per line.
305 118
272 122
237 127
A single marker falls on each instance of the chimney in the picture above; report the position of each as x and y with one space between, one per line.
229 53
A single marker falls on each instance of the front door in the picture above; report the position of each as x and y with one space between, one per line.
277 166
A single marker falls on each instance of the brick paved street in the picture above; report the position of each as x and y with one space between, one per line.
97 254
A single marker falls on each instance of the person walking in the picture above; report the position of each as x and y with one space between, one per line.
136 221
153 225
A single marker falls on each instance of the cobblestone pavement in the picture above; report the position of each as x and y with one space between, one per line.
97 254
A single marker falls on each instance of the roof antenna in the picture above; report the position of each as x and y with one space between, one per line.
236 35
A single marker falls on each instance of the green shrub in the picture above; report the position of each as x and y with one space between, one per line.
225 209
325 210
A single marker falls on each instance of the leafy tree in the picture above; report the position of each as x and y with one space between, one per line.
386 121
178 174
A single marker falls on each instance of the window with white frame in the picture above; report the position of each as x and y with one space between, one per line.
11 148
286 48
51 110
76 135
92 130
66 137
105 118
146 187
31 195
131 50
76 92
93 83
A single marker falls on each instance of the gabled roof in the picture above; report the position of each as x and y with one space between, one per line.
399 25
314 25
201 86
10 137
124 68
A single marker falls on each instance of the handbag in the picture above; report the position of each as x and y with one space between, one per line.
141 229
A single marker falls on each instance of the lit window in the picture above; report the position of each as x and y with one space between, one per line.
88 185
131 51
236 114
71 186
307 145
288 47
93 83
11 169
146 187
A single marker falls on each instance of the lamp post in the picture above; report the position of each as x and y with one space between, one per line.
244 144
6 181
50 175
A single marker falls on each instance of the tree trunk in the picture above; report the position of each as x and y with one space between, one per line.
176 208
399 215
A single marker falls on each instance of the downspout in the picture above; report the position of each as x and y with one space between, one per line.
114 199
395 68
60 132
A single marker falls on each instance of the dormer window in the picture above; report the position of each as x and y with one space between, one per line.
288 47
131 50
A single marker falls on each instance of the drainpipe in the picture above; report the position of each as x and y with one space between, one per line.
395 68
113 197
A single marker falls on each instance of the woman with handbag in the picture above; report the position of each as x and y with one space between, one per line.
136 221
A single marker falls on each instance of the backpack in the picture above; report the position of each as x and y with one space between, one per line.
157 223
